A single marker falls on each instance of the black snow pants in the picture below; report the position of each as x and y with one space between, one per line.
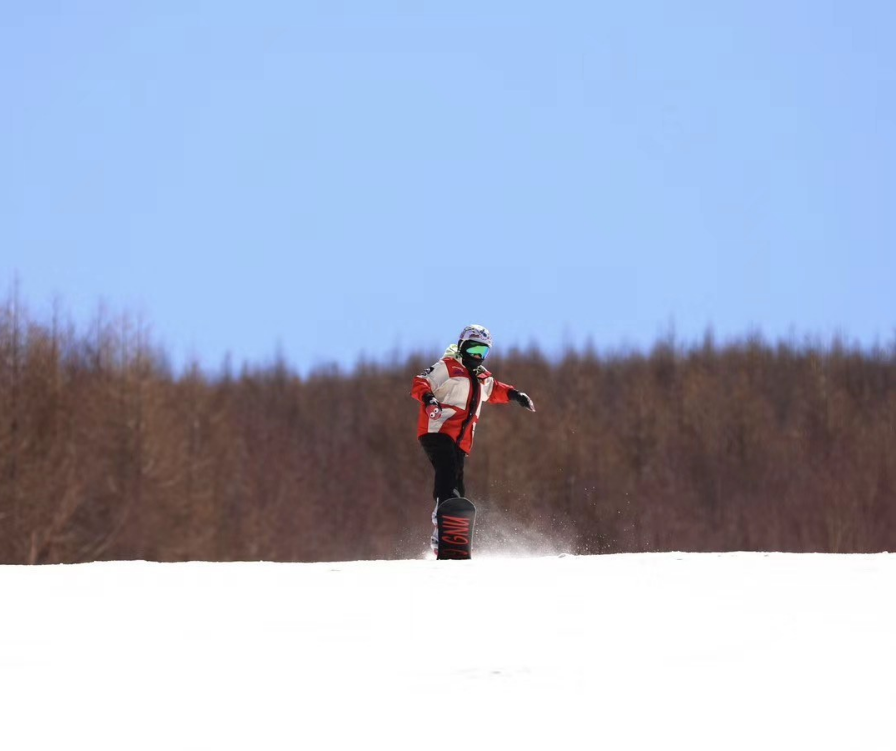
448 461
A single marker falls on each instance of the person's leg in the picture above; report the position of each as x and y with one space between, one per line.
434 537
459 458
447 461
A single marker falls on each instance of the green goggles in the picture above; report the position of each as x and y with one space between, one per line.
477 350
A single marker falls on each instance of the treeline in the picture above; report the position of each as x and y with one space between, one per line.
105 453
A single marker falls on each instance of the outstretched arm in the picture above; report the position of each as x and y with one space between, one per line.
502 393
522 399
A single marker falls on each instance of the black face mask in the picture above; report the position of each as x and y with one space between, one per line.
470 362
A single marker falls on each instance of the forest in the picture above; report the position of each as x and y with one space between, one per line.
107 452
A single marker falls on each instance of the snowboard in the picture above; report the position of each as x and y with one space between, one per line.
455 518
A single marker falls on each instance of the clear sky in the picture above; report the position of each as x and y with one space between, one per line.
336 179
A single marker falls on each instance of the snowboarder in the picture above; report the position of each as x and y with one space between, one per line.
451 394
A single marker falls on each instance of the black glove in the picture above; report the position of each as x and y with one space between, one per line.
522 399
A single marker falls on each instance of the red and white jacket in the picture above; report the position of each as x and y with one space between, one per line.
460 394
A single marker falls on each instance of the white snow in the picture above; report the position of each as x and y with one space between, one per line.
649 651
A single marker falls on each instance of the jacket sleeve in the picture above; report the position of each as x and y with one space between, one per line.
429 380
500 392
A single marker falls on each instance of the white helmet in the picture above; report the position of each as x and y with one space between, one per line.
475 333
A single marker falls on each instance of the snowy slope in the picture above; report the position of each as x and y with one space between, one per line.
680 651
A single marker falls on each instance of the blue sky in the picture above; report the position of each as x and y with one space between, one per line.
339 179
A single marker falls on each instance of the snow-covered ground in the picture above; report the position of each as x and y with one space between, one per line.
652 651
